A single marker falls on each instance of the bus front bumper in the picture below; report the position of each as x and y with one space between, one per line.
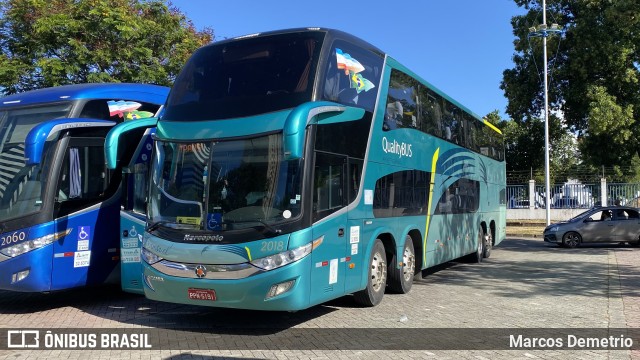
247 293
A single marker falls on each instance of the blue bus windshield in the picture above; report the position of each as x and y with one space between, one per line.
247 77
21 185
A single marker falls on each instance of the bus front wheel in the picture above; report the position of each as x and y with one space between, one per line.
401 279
377 281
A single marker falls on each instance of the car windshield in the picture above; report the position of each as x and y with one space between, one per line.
581 215
21 184
225 185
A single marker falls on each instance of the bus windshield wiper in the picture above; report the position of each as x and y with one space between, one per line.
268 227
156 225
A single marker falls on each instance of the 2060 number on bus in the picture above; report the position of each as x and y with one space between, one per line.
13 238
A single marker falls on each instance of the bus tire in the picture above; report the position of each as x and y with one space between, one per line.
476 256
488 245
401 280
377 277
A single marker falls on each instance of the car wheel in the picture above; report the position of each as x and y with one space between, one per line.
571 239
377 282
401 280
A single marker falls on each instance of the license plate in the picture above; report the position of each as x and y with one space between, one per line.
201 294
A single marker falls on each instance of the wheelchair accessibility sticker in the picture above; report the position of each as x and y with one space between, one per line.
84 232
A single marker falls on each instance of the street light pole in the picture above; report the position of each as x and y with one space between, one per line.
543 32
546 121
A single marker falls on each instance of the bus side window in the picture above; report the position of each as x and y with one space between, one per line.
96 109
402 103
140 187
99 109
328 184
83 179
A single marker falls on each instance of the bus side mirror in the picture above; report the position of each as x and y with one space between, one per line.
48 130
313 113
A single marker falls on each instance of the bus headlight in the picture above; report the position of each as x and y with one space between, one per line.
29 245
283 258
149 257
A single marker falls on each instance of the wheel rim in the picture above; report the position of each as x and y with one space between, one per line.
487 244
378 272
408 264
572 239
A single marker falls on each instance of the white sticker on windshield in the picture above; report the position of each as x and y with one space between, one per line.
286 214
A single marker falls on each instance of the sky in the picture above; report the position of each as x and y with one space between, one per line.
459 46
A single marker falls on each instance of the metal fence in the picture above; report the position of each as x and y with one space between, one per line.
623 194
573 195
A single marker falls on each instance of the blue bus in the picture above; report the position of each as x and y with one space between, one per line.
58 201
298 166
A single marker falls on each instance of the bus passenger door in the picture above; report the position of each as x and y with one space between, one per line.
133 213
88 253
358 229
328 259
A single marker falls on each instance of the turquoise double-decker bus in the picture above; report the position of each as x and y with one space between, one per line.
298 166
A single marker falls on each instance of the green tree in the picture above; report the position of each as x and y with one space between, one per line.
594 75
524 147
56 42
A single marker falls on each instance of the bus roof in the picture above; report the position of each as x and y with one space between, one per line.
142 92
330 33
337 34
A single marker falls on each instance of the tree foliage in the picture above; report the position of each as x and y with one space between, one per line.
56 42
524 147
594 75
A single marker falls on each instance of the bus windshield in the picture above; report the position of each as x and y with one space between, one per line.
247 77
21 185
225 185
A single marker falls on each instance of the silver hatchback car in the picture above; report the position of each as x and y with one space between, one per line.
617 224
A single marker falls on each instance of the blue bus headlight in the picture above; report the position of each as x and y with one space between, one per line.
29 245
149 257
283 258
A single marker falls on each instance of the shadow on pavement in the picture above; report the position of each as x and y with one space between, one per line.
538 269
518 268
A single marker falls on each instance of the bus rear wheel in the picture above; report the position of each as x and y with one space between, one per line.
401 280
488 245
377 281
